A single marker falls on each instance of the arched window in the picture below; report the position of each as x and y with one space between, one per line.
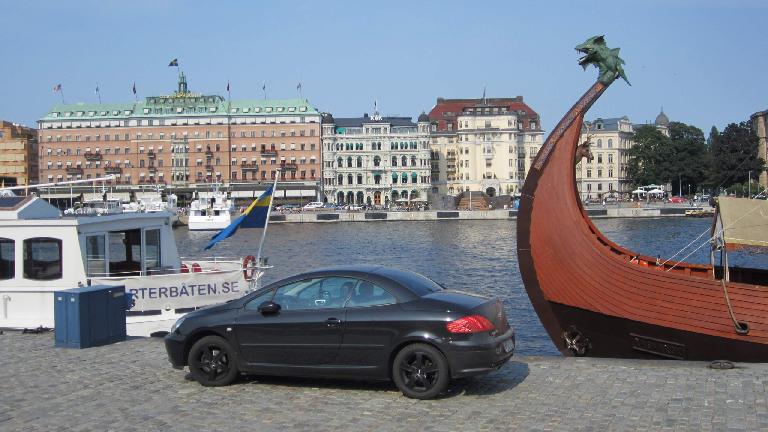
339 162
359 179
359 161
360 198
395 195
394 160
405 160
349 179
341 179
413 160
376 161
377 179
340 198
350 197
599 143
610 143
414 177
404 178
349 161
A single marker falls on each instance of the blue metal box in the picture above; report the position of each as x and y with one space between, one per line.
89 316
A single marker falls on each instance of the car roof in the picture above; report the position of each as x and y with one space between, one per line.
404 284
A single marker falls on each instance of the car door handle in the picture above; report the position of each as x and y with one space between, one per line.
332 322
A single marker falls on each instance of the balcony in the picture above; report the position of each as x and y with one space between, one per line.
288 166
151 154
208 153
208 167
113 170
249 166
152 169
92 156
74 170
269 152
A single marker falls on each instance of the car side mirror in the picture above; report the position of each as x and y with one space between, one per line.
269 308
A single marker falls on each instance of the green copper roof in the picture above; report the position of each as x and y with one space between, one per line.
184 105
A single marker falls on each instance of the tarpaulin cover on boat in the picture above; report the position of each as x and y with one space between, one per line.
744 222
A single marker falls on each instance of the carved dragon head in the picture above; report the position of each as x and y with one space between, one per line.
606 60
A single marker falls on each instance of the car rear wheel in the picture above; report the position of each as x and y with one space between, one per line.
420 371
212 362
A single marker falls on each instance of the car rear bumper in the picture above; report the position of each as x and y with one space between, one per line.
174 346
468 358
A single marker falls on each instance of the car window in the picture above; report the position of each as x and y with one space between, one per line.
368 294
257 301
318 293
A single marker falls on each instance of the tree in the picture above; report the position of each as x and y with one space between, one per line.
677 159
733 154
646 155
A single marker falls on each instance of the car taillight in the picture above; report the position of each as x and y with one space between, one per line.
470 324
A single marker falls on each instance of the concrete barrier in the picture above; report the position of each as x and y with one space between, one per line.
431 215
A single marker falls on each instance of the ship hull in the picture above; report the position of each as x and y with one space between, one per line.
617 337
585 287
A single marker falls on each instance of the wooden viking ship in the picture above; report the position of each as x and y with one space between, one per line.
596 298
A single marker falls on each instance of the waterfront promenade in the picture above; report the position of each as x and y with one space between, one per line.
130 386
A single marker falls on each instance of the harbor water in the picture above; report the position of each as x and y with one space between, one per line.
472 256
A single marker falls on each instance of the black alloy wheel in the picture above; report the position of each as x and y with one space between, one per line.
420 371
212 362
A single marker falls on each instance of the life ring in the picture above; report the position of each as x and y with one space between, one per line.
184 268
196 268
248 269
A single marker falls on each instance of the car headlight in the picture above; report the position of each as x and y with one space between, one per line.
177 324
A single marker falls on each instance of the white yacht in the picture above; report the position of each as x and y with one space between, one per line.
42 252
210 211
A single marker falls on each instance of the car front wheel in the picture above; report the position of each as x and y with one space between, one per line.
420 371
212 362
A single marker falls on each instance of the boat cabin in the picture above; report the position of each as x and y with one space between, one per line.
41 252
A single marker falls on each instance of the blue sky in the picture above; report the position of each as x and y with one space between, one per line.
702 60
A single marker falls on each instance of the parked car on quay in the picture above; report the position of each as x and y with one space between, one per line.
677 200
356 322
353 207
315 205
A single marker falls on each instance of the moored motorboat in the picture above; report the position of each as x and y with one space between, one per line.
42 252
597 298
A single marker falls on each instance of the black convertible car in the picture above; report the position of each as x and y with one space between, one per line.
359 322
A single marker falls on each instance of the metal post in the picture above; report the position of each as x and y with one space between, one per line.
266 223
749 184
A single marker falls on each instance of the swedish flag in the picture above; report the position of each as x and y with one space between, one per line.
255 216
174 62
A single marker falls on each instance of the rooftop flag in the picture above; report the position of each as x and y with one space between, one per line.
255 216
227 85
57 88
174 62
134 87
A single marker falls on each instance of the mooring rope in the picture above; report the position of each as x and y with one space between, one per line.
741 327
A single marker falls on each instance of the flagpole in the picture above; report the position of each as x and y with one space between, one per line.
98 93
266 223
61 91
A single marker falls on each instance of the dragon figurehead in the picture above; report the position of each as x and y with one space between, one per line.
606 60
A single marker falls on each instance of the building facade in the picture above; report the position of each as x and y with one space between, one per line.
18 154
611 140
484 145
759 120
375 160
181 139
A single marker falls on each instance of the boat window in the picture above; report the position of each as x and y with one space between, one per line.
7 258
42 258
125 253
95 256
152 249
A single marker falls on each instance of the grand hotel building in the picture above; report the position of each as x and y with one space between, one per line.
181 139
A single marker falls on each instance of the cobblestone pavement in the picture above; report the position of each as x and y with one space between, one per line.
131 387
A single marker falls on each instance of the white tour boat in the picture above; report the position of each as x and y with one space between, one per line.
42 252
210 211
